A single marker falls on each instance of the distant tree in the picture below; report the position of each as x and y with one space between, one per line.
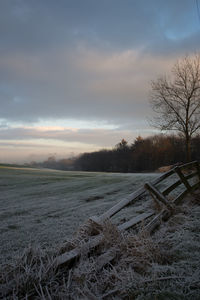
122 155
123 145
176 100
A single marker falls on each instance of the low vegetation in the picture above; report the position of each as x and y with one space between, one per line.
124 266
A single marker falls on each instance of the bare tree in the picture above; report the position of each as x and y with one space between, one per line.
176 100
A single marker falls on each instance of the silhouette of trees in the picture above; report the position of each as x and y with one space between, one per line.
143 155
176 101
122 146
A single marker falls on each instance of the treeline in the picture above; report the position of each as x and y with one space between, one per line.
67 164
143 155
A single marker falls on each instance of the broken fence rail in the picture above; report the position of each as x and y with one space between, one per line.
184 173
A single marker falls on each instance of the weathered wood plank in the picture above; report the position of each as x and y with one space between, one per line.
67 257
172 187
189 176
151 226
123 203
158 195
162 177
135 220
169 189
178 199
195 186
188 165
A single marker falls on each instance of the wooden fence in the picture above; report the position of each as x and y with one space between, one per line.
184 176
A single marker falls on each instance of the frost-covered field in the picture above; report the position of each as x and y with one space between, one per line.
47 206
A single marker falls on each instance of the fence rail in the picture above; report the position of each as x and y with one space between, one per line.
184 173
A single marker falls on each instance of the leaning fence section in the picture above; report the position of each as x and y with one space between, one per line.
167 191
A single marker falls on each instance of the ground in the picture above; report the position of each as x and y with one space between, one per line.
162 266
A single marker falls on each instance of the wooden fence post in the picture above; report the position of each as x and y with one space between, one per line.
183 179
158 195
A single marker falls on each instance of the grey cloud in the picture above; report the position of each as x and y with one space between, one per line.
46 48
24 145
3 124
87 84
34 25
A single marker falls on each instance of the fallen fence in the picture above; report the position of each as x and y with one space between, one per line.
187 175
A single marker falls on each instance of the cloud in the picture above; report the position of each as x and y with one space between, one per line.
97 137
89 61
85 84
31 26
24 144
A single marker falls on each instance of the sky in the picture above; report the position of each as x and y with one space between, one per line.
75 75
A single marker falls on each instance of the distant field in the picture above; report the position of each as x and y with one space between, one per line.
47 206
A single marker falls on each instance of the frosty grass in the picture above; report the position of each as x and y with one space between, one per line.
47 206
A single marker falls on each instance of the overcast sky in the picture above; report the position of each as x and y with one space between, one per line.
75 74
